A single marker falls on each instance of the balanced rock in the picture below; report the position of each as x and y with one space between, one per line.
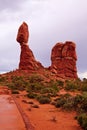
27 59
63 60
23 33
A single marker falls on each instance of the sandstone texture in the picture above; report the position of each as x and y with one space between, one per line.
63 60
23 34
27 59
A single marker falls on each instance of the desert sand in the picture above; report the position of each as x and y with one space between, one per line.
46 117
10 118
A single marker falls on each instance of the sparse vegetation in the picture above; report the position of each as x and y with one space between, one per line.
43 99
43 91
82 120
71 85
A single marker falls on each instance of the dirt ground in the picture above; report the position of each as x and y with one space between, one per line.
10 118
47 117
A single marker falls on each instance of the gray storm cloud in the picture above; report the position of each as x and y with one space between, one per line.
10 4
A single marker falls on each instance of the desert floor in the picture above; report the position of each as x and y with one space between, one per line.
45 117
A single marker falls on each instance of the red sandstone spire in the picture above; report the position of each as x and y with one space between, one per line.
27 59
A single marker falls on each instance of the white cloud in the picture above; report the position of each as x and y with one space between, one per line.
82 75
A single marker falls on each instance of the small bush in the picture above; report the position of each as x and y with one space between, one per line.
43 99
82 120
12 86
49 91
35 78
15 92
84 87
68 106
60 102
84 102
31 95
66 102
72 85
53 84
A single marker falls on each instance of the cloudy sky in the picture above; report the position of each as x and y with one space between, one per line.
50 21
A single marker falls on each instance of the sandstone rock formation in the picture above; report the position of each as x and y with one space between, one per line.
23 33
27 59
63 60
63 57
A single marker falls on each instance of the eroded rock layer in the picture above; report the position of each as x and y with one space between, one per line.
63 60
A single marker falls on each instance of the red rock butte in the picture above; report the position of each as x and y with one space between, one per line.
63 56
63 59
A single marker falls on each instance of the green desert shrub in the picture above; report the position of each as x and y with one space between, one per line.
49 91
83 103
12 86
3 80
68 105
59 102
53 84
43 99
84 87
66 102
60 83
35 78
31 95
82 120
17 82
71 85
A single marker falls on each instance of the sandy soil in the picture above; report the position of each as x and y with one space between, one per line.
62 91
47 117
10 118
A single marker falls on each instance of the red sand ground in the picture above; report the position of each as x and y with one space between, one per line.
47 117
10 118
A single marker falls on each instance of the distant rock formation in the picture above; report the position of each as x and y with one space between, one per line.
27 59
63 60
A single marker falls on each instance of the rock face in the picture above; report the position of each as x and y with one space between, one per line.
27 59
63 60
23 34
